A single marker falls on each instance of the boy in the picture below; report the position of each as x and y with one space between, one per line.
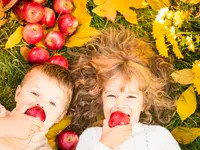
48 86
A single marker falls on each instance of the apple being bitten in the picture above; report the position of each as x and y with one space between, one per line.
118 118
54 40
36 111
33 12
63 6
67 24
67 140
33 33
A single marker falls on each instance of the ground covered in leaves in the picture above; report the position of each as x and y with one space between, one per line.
144 20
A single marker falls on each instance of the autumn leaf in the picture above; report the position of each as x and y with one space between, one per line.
2 15
15 38
185 135
186 104
191 1
24 51
57 128
82 36
52 143
109 8
40 44
183 76
81 12
158 4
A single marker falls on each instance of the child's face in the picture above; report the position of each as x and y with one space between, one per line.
40 89
128 100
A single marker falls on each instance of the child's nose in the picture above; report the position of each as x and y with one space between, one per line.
44 105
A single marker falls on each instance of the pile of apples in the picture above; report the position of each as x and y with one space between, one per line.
37 17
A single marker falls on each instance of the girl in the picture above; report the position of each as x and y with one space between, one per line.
120 72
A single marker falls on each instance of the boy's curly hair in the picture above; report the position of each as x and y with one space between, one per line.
118 51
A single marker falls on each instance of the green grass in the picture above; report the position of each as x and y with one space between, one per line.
13 66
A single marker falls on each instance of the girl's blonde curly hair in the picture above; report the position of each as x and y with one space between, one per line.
118 51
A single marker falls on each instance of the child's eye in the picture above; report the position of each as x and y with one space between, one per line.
52 103
110 95
131 96
34 93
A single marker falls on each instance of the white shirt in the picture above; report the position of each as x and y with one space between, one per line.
143 137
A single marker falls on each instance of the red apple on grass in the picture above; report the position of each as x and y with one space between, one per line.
59 60
33 12
63 6
38 55
54 40
18 9
49 17
67 140
67 24
33 33
118 118
36 111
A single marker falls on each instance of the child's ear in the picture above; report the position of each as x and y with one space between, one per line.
17 93
61 116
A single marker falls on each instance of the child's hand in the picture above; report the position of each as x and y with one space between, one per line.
113 137
21 125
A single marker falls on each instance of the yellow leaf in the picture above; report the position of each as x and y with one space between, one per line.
186 104
24 51
183 76
185 135
81 12
191 1
2 14
15 38
158 4
109 8
82 36
40 44
98 2
52 143
58 127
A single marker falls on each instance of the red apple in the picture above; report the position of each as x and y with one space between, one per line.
18 9
33 33
36 111
63 6
38 55
5 2
59 60
67 24
49 17
33 12
67 140
54 40
118 118
39 1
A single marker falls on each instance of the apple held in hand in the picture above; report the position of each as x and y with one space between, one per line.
67 140
49 17
38 55
36 111
63 6
67 24
118 118
59 60
33 33
33 12
54 40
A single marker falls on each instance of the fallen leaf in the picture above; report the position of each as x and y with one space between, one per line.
24 51
158 4
191 1
185 135
15 38
98 2
82 36
109 8
183 76
58 127
81 12
186 104
40 44
52 143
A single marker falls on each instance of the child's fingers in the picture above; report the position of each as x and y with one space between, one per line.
35 128
38 122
